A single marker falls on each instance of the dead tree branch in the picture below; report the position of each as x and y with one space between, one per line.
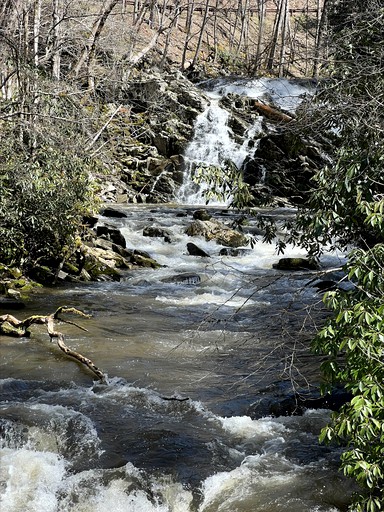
11 326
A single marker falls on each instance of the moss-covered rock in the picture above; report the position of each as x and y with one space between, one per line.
215 230
296 264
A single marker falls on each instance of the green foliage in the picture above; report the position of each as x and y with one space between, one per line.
44 197
353 340
346 204
45 174
224 183
349 108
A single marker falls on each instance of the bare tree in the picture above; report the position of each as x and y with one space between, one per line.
88 54
284 33
276 34
320 31
201 33
188 31
261 29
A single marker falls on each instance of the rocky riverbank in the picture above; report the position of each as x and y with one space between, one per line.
147 128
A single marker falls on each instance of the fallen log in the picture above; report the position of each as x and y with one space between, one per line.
11 326
271 113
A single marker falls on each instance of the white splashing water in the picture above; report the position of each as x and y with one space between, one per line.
214 142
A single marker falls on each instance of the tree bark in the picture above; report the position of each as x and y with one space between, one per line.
11 326
260 36
88 53
321 26
275 37
201 34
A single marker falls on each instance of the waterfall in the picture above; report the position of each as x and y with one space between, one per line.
214 142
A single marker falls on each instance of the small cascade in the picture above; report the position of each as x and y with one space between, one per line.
214 141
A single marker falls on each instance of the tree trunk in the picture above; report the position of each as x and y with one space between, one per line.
260 35
244 23
36 31
321 26
275 37
201 34
56 43
88 54
285 20
188 27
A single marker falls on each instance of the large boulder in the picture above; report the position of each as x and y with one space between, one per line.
284 163
111 233
167 94
216 230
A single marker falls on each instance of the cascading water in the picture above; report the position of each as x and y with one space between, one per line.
195 352
214 141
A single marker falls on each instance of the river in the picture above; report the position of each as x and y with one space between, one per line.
198 353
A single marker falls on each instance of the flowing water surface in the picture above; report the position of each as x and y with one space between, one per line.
190 349
197 352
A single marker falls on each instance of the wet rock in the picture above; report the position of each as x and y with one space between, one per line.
284 162
113 212
216 230
129 253
186 278
157 232
228 251
99 264
8 303
13 294
194 250
296 264
202 215
90 220
111 233
42 274
325 285
142 261
296 403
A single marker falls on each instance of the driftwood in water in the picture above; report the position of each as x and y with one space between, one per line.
11 326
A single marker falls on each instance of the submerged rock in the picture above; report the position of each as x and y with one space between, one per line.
295 404
229 251
186 278
202 214
296 264
157 232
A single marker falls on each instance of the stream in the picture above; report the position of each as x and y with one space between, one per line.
201 356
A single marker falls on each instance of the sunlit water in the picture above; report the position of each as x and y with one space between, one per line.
222 343
214 142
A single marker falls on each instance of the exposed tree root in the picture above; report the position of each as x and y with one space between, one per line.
11 326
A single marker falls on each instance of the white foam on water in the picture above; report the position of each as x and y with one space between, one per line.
205 298
114 497
284 93
30 480
245 428
227 491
